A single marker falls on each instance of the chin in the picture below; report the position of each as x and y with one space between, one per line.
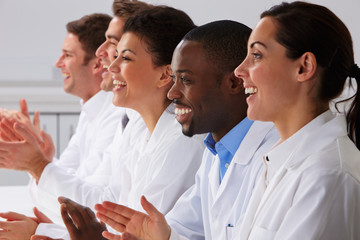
187 133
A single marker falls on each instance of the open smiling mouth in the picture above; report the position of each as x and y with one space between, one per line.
182 111
251 90
119 84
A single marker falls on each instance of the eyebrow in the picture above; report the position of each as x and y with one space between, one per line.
114 37
67 51
257 42
128 50
184 71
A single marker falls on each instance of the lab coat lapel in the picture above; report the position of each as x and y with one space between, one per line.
243 155
214 178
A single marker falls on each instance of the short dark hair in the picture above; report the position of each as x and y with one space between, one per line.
224 43
161 28
90 29
127 8
305 27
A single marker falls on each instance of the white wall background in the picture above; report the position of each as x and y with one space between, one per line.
31 32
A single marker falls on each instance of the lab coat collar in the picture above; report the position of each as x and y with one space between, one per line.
251 142
165 124
93 106
311 138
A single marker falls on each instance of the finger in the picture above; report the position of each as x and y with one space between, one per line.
118 226
150 209
5 225
24 108
26 133
70 226
76 211
120 209
111 236
90 214
41 217
109 214
7 128
36 120
11 216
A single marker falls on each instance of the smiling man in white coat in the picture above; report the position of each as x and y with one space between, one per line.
208 98
96 128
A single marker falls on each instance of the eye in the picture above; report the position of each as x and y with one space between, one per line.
185 80
256 55
125 58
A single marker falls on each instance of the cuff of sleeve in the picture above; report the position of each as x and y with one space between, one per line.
52 230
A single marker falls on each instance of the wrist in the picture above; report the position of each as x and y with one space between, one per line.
38 169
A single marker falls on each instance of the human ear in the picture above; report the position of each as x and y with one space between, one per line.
165 76
96 65
307 67
235 83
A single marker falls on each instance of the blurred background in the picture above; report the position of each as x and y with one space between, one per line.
32 33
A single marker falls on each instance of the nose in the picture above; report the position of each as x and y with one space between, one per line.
100 52
115 66
240 71
59 63
174 92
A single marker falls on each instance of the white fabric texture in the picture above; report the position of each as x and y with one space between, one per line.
311 189
161 166
210 210
81 160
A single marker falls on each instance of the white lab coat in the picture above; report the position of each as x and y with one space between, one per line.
208 207
81 159
161 166
313 187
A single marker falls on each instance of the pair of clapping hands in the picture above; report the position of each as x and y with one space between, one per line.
82 223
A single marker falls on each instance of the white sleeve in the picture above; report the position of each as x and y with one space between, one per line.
174 172
186 218
53 231
86 185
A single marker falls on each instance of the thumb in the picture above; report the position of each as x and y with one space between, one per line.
24 108
41 217
150 209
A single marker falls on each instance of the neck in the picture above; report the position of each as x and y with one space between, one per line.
232 120
293 122
151 115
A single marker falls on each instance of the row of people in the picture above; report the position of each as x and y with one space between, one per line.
294 178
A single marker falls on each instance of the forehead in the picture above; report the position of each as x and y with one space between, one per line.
189 54
72 44
264 31
132 42
115 28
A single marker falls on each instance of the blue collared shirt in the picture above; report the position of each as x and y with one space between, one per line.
228 145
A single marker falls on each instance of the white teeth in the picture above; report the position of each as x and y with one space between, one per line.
65 74
250 90
181 111
118 83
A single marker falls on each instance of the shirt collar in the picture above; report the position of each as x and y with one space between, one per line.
93 106
232 140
